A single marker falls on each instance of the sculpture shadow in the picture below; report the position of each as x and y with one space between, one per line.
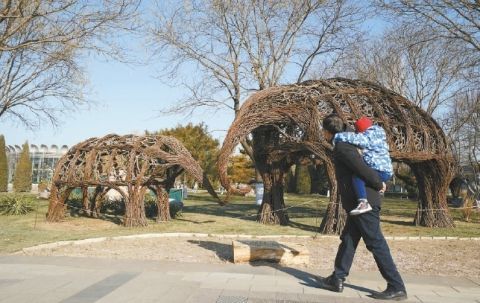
225 253
196 222
397 222
311 228
239 211
248 212
75 209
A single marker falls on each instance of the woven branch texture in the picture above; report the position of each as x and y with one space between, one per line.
284 125
127 164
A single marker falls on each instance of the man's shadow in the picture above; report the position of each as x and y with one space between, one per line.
225 253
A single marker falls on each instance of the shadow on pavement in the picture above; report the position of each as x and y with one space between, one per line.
225 253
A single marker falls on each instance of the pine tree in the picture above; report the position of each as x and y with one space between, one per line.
23 172
3 166
241 169
200 143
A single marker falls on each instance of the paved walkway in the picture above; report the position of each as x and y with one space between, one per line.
69 280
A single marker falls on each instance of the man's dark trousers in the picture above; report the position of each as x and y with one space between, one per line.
367 226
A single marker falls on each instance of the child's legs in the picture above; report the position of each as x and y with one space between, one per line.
384 176
359 187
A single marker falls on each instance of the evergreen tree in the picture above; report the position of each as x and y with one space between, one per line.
203 147
303 179
241 169
23 171
3 166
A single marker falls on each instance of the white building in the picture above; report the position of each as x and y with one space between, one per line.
43 160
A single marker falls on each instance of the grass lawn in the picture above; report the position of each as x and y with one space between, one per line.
201 215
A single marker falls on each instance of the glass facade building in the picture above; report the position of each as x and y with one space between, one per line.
43 159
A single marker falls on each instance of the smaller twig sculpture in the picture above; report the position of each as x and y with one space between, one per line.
127 164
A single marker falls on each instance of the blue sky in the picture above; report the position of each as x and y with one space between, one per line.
127 100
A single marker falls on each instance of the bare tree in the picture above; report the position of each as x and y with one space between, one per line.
455 22
463 125
407 62
40 45
242 46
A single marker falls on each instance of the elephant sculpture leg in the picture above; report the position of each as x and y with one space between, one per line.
433 177
134 207
163 206
335 216
56 208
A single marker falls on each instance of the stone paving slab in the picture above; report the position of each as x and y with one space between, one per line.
70 280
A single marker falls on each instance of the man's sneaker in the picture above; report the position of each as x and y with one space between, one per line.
362 208
331 283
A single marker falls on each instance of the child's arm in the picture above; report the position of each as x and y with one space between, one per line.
358 140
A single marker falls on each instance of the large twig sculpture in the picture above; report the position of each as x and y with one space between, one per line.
127 164
285 125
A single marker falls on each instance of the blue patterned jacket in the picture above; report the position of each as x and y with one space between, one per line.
374 144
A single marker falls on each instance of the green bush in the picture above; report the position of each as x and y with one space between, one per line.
15 205
151 209
150 206
176 209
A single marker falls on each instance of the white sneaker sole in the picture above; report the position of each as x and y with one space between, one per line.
357 212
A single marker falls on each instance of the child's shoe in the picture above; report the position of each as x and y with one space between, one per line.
362 208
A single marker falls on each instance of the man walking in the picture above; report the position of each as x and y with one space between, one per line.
348 162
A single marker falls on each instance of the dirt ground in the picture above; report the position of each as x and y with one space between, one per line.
425 257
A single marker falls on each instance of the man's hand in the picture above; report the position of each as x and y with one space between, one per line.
384 187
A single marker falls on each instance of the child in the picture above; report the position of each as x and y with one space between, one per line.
373 142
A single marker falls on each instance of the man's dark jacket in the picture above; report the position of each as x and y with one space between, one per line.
349 162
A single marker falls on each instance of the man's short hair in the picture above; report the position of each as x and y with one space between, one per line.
333 124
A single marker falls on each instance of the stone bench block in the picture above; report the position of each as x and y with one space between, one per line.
284 253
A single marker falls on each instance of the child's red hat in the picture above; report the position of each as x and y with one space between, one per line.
362 124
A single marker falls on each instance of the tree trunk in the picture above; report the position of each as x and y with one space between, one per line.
272 169
272 209
433 177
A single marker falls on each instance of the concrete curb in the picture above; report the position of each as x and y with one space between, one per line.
220 236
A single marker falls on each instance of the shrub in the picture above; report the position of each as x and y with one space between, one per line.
112 207
15 205
151 209
176 209
150 206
